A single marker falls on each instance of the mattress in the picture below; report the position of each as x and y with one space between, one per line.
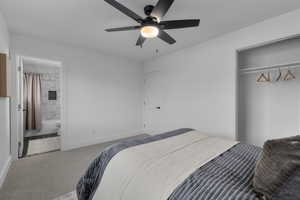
184 164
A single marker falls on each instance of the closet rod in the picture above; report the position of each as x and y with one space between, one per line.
249 70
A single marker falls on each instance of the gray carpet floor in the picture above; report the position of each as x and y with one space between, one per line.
50 175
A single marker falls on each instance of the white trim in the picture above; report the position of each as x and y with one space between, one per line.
237 97
4 171
268 42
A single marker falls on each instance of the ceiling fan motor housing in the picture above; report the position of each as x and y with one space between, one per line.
148 9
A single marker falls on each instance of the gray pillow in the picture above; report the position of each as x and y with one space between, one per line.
290 189
279 160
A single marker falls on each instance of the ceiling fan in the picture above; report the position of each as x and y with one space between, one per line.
152 26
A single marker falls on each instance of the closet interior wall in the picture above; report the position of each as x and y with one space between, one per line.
269 110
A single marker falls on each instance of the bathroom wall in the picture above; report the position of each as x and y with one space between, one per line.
50 81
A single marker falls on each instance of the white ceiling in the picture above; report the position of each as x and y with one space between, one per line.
82 22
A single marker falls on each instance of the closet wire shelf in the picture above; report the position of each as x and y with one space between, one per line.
250 70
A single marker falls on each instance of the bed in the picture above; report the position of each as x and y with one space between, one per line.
179 165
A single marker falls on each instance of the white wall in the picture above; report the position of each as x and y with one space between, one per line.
5 158
102 94
269 110
4 110
4 36
199 83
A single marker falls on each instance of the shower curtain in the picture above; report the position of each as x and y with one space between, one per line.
32 101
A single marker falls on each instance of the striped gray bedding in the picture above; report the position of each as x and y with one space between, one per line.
227 177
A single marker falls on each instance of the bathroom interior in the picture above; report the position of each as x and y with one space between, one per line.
41 107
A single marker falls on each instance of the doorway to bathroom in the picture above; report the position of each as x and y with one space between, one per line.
40 107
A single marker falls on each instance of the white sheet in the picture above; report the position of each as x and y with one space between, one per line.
152 171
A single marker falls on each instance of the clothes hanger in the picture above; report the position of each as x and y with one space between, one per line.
279 75
269 77
289 76
263 78
259 79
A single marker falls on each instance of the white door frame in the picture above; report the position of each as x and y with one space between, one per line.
20 108
17 110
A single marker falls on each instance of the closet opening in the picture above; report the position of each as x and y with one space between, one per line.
269 91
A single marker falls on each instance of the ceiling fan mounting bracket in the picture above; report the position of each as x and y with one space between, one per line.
148 9
149 21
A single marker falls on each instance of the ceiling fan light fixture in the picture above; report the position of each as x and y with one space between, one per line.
151 26
149 31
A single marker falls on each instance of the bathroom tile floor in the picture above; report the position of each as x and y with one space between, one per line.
39 144
43 145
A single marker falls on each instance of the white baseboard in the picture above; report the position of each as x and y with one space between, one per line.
4 171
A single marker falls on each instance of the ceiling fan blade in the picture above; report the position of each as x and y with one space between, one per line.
125 10
176 24
166 37
128 28
140 41
161 8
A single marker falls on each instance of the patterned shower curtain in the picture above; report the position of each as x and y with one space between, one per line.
32 101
